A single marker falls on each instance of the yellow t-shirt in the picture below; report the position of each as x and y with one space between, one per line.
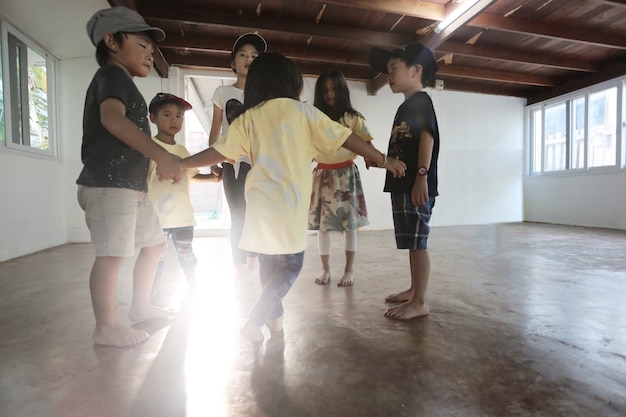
357 125
282 137
172 202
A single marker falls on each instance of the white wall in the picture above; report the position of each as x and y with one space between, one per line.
591 200
480 160
480 163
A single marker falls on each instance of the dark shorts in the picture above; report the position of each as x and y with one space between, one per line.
411 223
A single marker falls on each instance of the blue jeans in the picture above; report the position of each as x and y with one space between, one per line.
181 238
278 273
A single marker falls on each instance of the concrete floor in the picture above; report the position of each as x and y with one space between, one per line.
526 320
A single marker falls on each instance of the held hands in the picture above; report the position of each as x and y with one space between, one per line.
395 166
170 169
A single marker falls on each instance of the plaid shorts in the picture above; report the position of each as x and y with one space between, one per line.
410 222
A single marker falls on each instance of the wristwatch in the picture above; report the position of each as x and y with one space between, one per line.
422 170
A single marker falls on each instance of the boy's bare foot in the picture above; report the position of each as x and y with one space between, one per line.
346 280
252 332
323 279
401 297
407 311
119 336
149 313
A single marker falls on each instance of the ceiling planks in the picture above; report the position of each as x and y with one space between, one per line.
531 49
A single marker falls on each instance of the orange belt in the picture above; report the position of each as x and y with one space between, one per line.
345 164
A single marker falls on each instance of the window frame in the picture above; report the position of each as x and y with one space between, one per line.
9 95
569 100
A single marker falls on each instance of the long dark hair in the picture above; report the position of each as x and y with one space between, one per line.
271 75
342 96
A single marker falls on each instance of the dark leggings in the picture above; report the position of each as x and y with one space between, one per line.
234 191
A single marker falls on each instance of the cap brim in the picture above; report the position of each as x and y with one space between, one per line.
379 58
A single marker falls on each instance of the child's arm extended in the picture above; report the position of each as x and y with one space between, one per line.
113 116
205 158
369 152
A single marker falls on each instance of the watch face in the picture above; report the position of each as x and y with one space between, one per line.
422 171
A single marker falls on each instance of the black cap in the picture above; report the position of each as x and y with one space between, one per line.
249 39
414 53
162 98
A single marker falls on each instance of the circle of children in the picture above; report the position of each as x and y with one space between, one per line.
134 189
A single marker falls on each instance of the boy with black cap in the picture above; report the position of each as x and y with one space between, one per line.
172 202
415 141
227 99
112 186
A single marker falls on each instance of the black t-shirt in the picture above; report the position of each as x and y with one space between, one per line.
414 116
109 162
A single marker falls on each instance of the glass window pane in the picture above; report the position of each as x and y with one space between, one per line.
2 128
28 96
603 128
38 101
578 133
537 129
555 138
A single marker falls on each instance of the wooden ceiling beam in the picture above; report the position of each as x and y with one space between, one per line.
512 55
553 31
494 75
420 9
214 18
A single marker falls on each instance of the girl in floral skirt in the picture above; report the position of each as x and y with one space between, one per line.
337 200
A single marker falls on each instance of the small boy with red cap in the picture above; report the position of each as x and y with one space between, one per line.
172 202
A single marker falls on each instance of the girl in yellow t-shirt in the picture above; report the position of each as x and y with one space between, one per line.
281 136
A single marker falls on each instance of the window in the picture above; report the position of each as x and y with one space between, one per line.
27 77
603 128
578 133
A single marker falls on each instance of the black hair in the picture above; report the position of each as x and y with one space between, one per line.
342 96
426 78
103 52
271 75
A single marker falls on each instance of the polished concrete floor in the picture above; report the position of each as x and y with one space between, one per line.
526 320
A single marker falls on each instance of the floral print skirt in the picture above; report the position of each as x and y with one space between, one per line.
337 200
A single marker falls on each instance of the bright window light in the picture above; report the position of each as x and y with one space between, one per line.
456 13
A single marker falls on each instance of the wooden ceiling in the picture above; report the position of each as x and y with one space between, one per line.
535 49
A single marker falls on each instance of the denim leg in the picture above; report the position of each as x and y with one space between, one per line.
160 265
278 273
182 237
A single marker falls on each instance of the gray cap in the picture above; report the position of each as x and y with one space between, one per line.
119 19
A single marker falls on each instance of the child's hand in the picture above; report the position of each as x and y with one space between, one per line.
395 166
217 170
369 163
419 192
169 168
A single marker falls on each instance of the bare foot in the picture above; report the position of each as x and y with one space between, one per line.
119 336
149 313
407 311
323 279
401 297
346 280
252 332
